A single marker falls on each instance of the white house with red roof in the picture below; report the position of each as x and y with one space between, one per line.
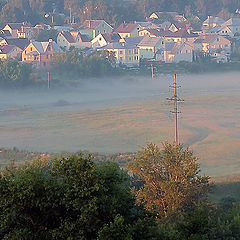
126 30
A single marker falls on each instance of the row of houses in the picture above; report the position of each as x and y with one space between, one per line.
155 39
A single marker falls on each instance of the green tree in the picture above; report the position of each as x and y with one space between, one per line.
69 198
171 176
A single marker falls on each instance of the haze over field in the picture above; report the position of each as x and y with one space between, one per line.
120 115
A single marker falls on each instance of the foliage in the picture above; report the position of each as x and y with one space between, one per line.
114 12
171 176
16 74
77 64
69 198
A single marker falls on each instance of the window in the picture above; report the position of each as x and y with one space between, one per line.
31 49
120 52
47 56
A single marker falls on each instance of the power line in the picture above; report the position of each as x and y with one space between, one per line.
175 99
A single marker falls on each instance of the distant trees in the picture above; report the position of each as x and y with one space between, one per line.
114 12
172 183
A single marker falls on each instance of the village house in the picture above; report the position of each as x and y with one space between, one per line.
211 22
40 54
177 52
93 27
149 46
13 28
19 42
66 39
9 51
181 35
24 32
124 53
126 30
150 32
210 42
221 30
233 24
174 27
168 16
103 39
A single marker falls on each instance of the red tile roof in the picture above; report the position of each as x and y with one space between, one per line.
126 28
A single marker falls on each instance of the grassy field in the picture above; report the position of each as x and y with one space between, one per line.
208 123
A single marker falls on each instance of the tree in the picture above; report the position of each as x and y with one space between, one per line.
171 176
69 198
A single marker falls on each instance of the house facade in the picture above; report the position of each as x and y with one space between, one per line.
126 30
40 54
211 42
92 28
177 52
66 39
103 39
125 53
149 46
9 51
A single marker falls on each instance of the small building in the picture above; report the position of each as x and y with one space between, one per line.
126 30
40 54
233 24
92 28
177 52
19 42
9 51
103 39
124 53
209 42
24 32
211 22
66 39
168 16
13 28
149 46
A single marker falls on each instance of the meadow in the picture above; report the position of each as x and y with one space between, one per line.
121 115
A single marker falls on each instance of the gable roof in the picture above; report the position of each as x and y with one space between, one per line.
111 37
5 49
14 25
211 19
41 47
149 41
71 37
181 33
132 40
92 24
232 22
119 45
19 42
126 28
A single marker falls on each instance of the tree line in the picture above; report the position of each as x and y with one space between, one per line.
161 196
115 12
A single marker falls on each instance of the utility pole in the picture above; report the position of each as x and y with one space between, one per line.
48 80
70 15
175 108
175 99
152 71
